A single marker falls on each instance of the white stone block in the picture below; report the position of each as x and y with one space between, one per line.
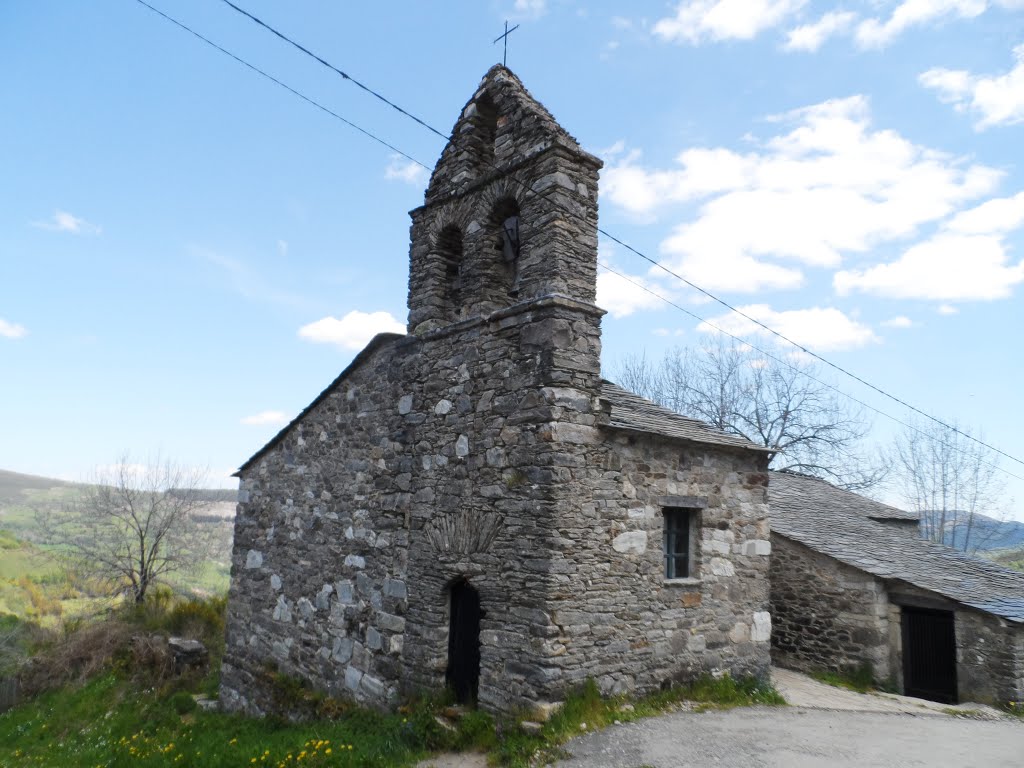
632 542
761 631
254 559
722 567
757 547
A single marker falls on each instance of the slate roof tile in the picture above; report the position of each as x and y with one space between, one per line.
833 522
630 411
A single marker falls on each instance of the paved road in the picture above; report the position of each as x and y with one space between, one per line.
791 737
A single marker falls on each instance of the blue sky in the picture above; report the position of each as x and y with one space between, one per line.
189 254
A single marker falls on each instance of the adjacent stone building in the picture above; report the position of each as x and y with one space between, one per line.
471 505
852 585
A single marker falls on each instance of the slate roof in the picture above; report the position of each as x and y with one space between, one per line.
796 490
630 411
829 520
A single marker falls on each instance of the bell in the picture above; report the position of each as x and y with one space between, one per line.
510 239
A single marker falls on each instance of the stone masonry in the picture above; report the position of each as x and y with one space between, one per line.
484 448
826 615
843 576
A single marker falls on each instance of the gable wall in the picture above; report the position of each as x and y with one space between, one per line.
433 460
825 614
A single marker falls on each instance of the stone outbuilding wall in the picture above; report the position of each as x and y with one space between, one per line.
828 615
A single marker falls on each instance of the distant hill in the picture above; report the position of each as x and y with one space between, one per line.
14 485
22 496
989 533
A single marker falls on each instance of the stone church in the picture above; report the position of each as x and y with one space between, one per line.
471 505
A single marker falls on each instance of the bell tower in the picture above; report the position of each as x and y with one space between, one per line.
510 214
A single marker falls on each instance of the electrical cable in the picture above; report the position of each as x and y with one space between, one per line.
603 232
633 250
288 88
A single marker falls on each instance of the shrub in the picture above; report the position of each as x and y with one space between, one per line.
183 703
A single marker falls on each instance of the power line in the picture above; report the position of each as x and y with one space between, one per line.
287 87
797 370
630 248
574 214
333 68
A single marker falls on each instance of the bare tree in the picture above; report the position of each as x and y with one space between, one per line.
771 403
951 480
135 526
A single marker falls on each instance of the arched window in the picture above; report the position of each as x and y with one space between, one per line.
449 255
485 132
506 244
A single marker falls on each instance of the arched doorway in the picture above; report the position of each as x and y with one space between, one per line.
463 674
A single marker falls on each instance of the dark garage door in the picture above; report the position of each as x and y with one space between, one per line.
929 655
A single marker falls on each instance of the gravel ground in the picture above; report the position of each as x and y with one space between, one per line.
825 727
789 737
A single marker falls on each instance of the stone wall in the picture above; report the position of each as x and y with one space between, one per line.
831 616
619 621
826 615
990 658
989 650
476 451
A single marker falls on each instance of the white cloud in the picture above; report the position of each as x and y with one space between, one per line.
696 21
608 154
404 170
353 331
622 298
265 418
62 221
966 260
993 217
12 330
900 321
817 328
947 309
530 9
875 33
621 22
829 186
810 37
996 100
946 267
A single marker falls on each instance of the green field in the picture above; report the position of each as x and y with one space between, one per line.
32 582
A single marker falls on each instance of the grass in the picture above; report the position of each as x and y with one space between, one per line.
130 713
112 722
860 680
127 709
586 710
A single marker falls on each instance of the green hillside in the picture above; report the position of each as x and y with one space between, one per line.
33 585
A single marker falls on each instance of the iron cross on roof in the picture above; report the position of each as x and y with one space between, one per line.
504 58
